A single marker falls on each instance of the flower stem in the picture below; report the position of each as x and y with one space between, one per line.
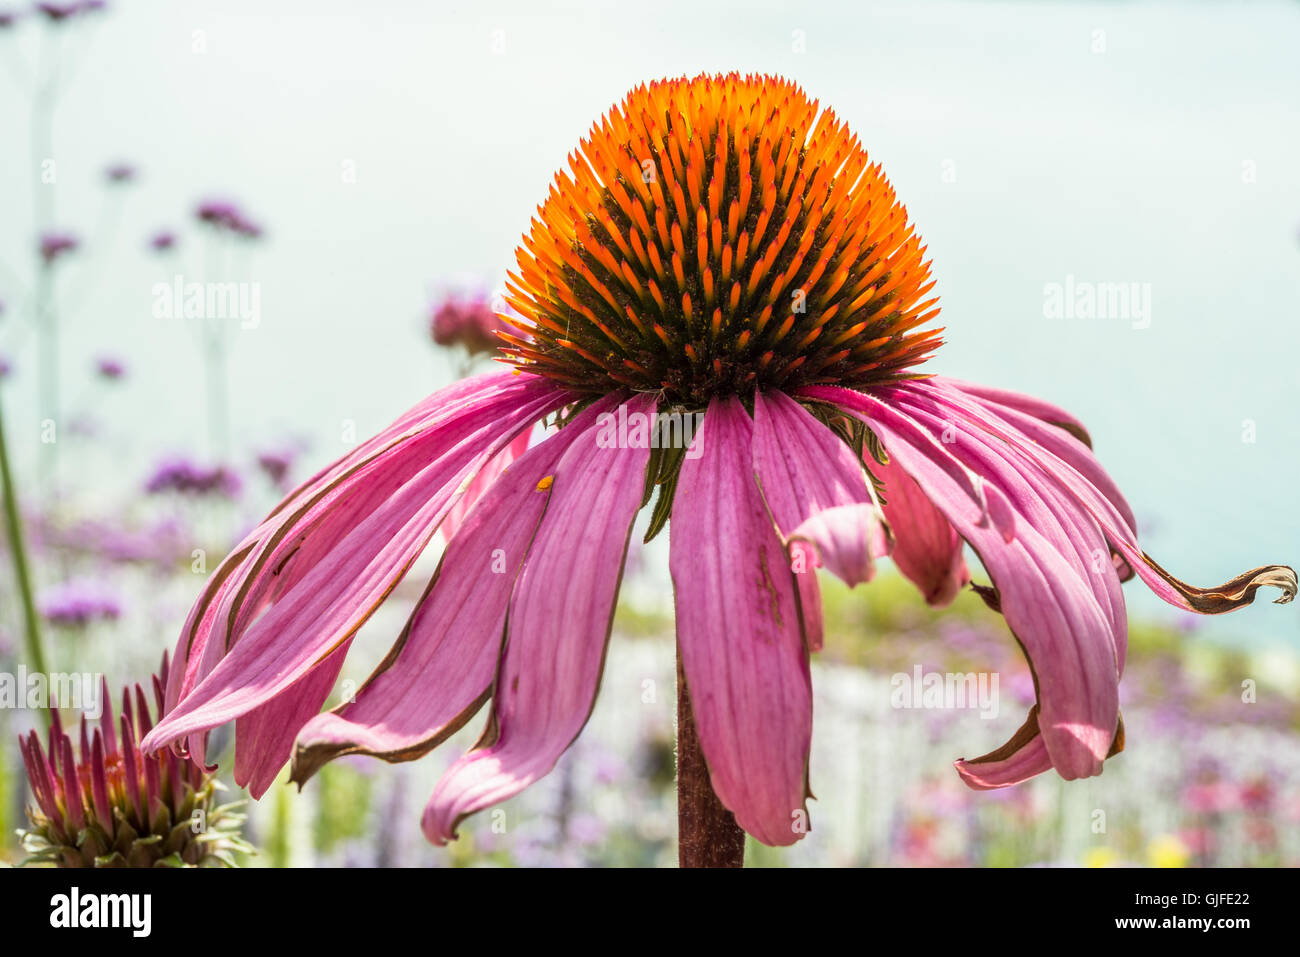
707 833
18 552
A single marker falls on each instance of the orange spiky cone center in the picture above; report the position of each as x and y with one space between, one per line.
718 235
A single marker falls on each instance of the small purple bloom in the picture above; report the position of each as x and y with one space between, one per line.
162 241
58 12
56 245
276 464
6 367
110 368
227 216
120 173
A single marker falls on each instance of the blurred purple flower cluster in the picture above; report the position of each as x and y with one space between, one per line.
191 478
54 246
229 217
79 603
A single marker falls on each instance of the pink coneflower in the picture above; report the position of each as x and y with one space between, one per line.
724 247
105 804
467 321
54 246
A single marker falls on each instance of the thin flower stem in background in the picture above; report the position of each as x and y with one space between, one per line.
707 833
216 360
18 553
47 337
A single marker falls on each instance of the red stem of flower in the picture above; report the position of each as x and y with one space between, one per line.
707 833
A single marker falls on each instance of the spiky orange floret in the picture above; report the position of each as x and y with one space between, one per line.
715 235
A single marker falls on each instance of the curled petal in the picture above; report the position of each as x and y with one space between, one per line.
847 539
927 549
804 470
1232 594
1021 758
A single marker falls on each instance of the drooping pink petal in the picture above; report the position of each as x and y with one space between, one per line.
1027 405
1032 497
818 494
846 539
1055 614
441 669
927 549
1069 530
739 633
480 484
558 626
1021 758
343 587
1117 529
1052 428
279 536
264 736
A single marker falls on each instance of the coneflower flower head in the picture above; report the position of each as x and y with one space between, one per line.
719 245
718 236
102 803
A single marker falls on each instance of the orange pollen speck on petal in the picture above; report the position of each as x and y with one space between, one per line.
693 211
545 483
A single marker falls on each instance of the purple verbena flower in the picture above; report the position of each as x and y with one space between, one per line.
110 368
162 241
120 173
79 603
54 246
190 478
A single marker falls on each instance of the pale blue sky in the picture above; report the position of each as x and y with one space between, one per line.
1117 166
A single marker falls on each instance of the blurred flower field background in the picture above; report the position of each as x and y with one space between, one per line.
121 529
